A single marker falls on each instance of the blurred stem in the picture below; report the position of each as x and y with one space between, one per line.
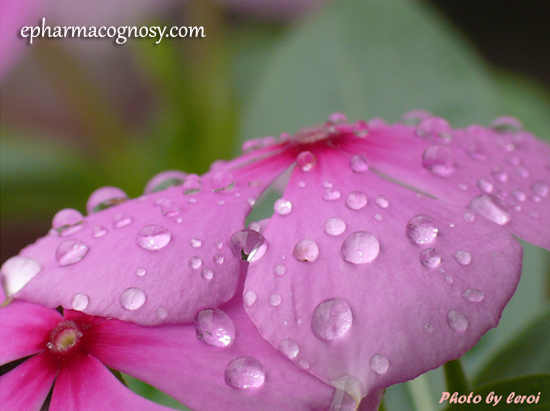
421 394
455 378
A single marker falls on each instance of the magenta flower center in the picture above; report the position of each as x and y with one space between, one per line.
65 339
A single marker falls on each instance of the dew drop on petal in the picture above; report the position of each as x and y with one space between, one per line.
331 319
519 195
378 217
421 229
306 160
337 118
80 302
492 208
289 348
306 250
382 201
245 372
303 363
438 160
499 174
195 242
280 269
474 296
274 300
16 272
161 313
121 220
214 327
67 221
207 273
191 185
164 180
428 328
414 117
170 208
335 226
70 252
99 231
105 197
282 206
195 262
522 172
379 363
541 189
132 298
247 245
430 258
469 217
359 164
140 272
153 237
457 321
506 124
222 181
250 298
360 247
485 185
328 184
463 257
219 259
434 128
331 194
356 200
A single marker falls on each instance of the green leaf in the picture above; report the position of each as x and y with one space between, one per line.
528 353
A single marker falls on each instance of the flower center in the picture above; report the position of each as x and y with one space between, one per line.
64 338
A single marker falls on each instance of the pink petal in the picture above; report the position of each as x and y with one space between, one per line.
27 386
84 384
25 329
174 360
346 283
145 260
462 164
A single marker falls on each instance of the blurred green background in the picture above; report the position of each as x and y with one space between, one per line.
79 114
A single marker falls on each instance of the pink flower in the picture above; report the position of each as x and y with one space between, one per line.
359 280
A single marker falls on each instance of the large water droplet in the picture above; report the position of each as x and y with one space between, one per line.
430 258
67 221
140 272
438 160
214 327
306 160
191 185
379 363
247 245
105 197
359 164
207 273
16 272
99 231
485 185
356 200
222 181
195 262
245 372
492 208
360 247
289 348
506 124
463 257
80 302
132 298
474 296
421 229
282 206
121 220
153 237
540 188
70 252
382 201
275 300
457 321
331 319
331 194
164 180
335 226
434 128
306 250
170 208
250 298
414 117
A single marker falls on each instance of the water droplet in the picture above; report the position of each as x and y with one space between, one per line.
356 200
67 221
121 220
428 328
195 242
105 197
140 272
421 229
255 226
463 257
382 201
250 298
434 128
469 217
414 117
474 296
306 250
303 363
162 313
153 237
438 160
463 187
247 245
170 208
499 174
282 206
164 180
80 301
335 226
70 252
191 185
306 160
302 184
195 262
331 319
132 298
99 231
492 208
522 172
280 269
337 118
331 194
219 259
222 181
457 321
519 195
289 348
218 245
506 124
207 273
360 247
485 185
540 188
275 300
245 372
379 363
214 327
16 272
328 184
430 258
378 217
359 164
192 200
